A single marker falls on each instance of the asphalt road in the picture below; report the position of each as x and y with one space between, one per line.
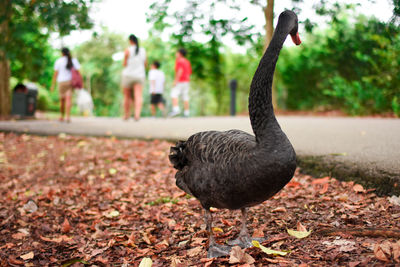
365 146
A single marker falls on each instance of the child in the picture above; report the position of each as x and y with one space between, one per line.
157 80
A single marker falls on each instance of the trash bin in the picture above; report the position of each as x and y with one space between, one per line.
24 100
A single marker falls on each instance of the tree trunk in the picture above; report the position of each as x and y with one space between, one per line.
269 21
269 30
4 66
4 86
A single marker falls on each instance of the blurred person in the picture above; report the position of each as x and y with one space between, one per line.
133 77
183 70
157 81
63 76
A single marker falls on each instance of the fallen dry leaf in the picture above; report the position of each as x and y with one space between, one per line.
207 261
97 251
324 189
258 233
226 222
301 227
146 262
19 236
298 234
217 230
396 251
175 262
320 180
112 214
380 254
279 209
28 256
59 239
354 263
343 245
358 188
268 250
146 238
293 184
237 255
195 251
65 227
13 260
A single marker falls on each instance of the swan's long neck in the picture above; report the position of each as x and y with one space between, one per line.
261 110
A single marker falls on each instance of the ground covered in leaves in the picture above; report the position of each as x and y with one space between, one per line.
75 201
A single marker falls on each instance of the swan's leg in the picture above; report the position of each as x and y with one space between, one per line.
244 239
215 250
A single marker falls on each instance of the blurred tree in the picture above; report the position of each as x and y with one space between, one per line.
206 23
352 66
25 26
396 12
101 72
194 18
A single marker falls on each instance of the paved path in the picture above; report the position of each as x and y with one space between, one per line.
354 147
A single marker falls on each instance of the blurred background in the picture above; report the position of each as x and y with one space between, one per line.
348 62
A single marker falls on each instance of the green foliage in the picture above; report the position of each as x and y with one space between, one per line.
207 59
396 105
101 73
25 27
353 66
396 11
43 100
29 25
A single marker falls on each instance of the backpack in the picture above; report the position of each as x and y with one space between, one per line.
76 80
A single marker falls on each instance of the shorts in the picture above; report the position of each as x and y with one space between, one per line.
181 89
156 99
64 88
128 81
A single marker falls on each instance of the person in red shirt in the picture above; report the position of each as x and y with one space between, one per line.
183 70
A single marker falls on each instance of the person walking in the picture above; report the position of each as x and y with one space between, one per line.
157 81
133 77
183 70
63 76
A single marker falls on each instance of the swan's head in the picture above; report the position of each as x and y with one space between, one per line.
290 19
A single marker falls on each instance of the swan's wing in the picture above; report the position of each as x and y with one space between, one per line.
205 158
209 160
218 147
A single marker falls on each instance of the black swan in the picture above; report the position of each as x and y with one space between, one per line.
236 170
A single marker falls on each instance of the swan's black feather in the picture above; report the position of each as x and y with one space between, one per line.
176 155
219 147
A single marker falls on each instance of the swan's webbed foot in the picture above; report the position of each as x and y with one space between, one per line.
215 251
244 241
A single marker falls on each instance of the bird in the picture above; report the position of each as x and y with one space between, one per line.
236 170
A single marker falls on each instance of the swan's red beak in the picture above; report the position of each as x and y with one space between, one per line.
296 39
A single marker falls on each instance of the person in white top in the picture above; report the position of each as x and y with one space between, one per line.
133 77
157 81
63 76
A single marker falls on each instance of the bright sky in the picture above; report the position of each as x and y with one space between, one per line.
129 16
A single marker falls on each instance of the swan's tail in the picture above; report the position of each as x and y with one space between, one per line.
177 156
